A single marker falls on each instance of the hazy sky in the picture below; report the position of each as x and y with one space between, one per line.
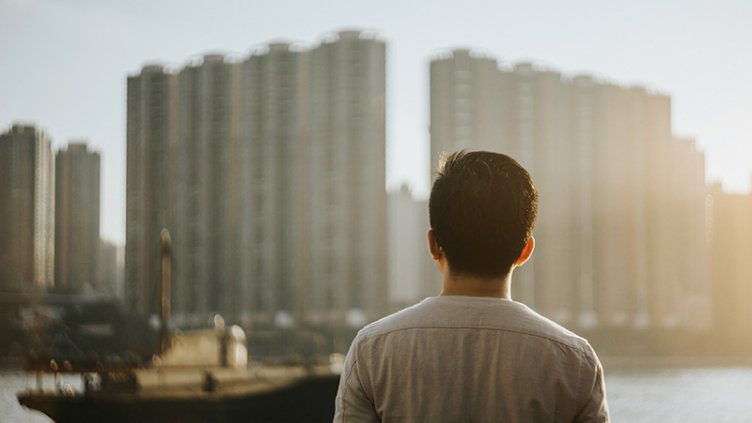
63 63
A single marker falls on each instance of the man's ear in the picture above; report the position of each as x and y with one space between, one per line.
433 246
527 251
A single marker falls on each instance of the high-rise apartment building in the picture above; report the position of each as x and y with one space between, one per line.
620 197
274 150
206 182
27 216
150 188
348 257
413 275
77 179
273 183
731 230
463 90
111 268
692 215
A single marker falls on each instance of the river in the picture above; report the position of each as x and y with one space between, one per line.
656 394
14 381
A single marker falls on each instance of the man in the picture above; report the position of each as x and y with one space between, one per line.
472 354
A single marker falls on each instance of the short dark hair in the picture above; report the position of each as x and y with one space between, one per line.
482 210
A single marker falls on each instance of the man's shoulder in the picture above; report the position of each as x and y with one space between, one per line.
475 314
403 319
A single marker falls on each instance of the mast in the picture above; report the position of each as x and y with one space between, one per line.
164 309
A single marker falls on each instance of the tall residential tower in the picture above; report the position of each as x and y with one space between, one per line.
348 204
77 244
150 183
27 195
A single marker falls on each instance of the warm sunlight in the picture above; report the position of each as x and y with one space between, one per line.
201 204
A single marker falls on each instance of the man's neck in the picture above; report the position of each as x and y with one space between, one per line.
472 286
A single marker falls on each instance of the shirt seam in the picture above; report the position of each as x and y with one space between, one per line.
349 374
597 384
521 332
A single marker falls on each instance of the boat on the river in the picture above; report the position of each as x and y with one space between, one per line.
199 376
171 392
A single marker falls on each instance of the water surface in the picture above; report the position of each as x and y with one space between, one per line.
686 395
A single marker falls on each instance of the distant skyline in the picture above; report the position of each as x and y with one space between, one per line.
63 65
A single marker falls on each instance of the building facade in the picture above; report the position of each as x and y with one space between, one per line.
274 147
413 275
731 232
27 238
77 180
206 174
150 188
111 269
348 205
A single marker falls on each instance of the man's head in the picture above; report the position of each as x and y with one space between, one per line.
482 210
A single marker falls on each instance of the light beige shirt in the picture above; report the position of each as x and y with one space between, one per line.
470 359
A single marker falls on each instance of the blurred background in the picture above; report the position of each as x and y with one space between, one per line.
288 147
